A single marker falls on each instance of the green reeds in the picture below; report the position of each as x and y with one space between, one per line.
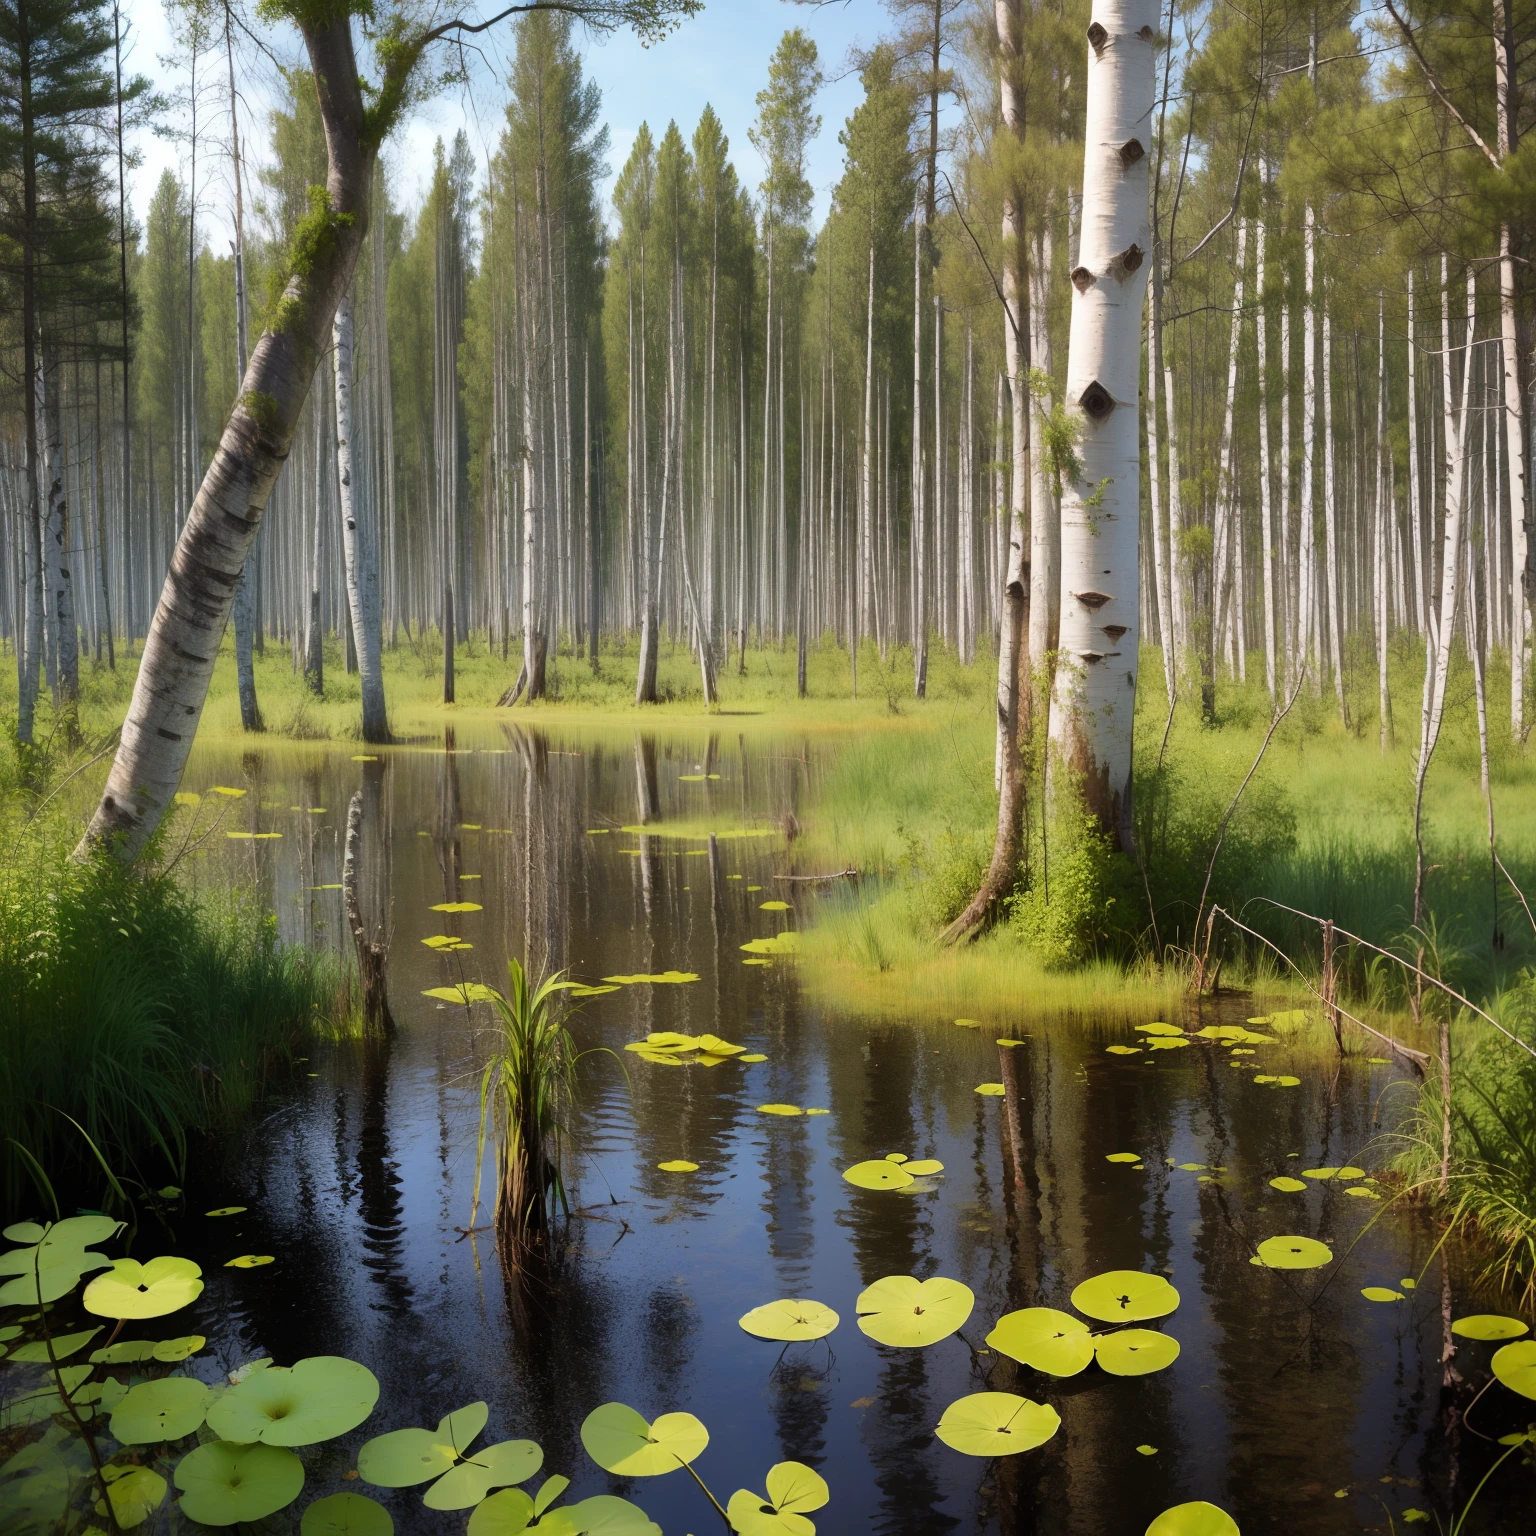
133 1014
526 1091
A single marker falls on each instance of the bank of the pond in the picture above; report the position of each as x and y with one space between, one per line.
137 1017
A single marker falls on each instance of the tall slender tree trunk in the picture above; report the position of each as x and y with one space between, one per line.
1266 511
1161 554
919 527
61 583
358 545
1093 702
1382 522
1331 526
1226 497
182 645
863 606
1044 513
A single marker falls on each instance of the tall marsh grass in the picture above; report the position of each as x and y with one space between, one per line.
135 1014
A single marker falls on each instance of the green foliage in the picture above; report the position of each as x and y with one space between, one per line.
142 1014
946 870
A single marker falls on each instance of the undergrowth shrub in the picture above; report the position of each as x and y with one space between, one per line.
945 872
135 1014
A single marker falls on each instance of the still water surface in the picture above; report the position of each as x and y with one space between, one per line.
1295 1404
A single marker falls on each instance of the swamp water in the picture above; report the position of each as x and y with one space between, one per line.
1295 1403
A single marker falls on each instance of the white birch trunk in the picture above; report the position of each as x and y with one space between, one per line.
1093 705
1161 555
1382 520
358 546
1335 616
1266 511
1044 513
1221 617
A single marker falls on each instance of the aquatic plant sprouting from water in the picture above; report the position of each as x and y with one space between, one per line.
525 1096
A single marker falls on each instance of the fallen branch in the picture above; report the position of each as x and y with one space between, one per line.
1417 1059
841 874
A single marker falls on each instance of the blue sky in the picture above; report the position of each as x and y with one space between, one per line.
720 57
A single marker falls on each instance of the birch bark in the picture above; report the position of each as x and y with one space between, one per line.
1093 701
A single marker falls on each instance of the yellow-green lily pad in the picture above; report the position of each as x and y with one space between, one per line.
347 1514
1515 1366
463 1485
877 1173
678 1165
1044 1339
313 1400
155 1411
794 1489
621 1441
1489 1326
223 1484
130 1290
1381 1293
779 1109
405 1457
990 1090
1194 1519
1294 1253
1125 1296
997 1424
790 1320
908 1313
1287 1185
1135 1351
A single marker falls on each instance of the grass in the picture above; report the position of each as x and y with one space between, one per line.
132 1013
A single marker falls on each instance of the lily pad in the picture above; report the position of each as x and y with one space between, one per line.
878 1174
1194 1519
779 1109
908 1313
662 978
313 1400
135 1492
347 1514
1123 1050
678 1165
773 906
405 1457
997 1424
64 1345
1287 1185
620 1441
226 1210
1158 1027
1294 1253
250 1261
793 1491
223 1484
923 1167
465 992
1489 1325
497 1466
168 1351
592 991
458 906
133 1290
1360 1192
715 1046
753 1056
1381 1293
1135 1351
790 1320
990 1090
1125 1296
155 1411
1122 1157
1050 1341
1515 1366
1167 1042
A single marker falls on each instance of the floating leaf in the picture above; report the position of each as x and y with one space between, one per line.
405 1457
773 906
226 791
1158 1027
466 992
133 1290
1146 1450
1193 1167
620 1441
313 1400
1123 1050
969 1023
1294 1253
1489 1325
135 1494
130 1353
1122 1157
753 1056
64 1345
161 1410
1413 1516
990 1090
496 1466
1045 1339
1166 1043
1361 1192
878 1174
818 1111
997 1424
223 1484
678 1165
250 1261
1287 1185
25 1232
1125 1296
1381 1293
592 991
1515 1366
793 1490
225 1210
1135 1351
458 906
910 1314
791 1321
1011 1042
779 1109
346 1514
662 977
923 1167
775 944
1195 1519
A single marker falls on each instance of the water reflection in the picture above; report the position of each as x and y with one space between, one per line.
360 1181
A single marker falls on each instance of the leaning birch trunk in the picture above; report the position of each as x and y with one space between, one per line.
1094 698
190 619
357 541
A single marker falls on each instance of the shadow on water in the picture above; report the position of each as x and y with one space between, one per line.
1294 1403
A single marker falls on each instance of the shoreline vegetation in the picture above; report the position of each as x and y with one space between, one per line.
900 791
